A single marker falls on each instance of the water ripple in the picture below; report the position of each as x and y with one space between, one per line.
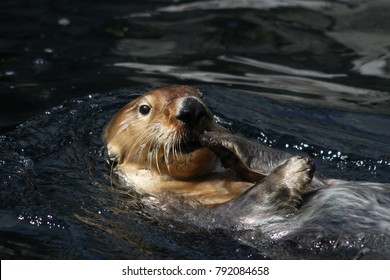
304 90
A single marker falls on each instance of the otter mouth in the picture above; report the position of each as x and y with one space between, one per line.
190 144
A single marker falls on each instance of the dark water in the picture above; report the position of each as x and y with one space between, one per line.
297 75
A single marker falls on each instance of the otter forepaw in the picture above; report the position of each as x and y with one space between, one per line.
298 172
215 142
276 196
294 174
214 139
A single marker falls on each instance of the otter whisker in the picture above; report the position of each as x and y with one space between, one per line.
156 150
139 139
126 144
180 143
175 140
172 145
150 153
125 126
112 173
167 143
144 148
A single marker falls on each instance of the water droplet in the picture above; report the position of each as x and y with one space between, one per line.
39 61
64 21
26 162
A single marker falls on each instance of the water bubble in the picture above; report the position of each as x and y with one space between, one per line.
39 61
223 122
26 162
48 50
40 64
63 21
9 73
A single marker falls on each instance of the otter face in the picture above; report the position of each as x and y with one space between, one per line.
159 132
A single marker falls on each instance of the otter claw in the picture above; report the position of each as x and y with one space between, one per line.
206 140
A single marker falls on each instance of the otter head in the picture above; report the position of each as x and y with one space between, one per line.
159 131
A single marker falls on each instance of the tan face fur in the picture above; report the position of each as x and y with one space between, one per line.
148 134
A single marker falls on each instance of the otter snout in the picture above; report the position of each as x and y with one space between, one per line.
191 111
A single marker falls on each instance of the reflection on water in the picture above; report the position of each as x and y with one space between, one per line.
358 26
53 52
254 4
311 76
269 55
294 87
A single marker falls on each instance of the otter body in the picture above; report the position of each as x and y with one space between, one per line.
167 142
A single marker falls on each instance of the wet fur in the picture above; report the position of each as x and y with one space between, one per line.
280 192
157 153
327 206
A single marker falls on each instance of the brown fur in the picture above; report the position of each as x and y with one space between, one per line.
151 149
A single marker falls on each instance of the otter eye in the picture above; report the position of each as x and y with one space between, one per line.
144 109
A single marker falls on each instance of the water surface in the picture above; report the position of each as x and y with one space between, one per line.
297 75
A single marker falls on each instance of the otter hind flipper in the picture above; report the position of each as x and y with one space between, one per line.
274 197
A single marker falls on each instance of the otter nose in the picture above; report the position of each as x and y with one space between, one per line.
191 112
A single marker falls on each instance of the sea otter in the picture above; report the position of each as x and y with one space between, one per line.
162 143
168 142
